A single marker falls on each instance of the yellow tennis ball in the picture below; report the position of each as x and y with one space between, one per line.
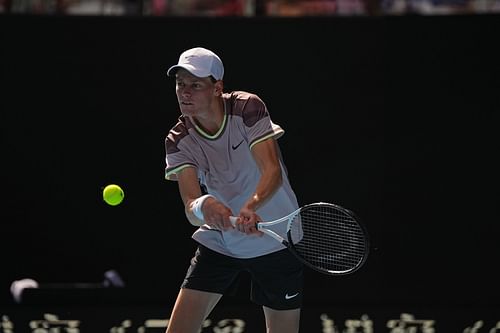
113 194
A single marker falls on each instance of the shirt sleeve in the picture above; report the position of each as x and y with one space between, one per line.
258 123
176 157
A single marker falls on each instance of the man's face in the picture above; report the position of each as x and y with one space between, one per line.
194 94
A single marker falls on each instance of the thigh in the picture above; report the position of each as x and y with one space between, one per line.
282 320
277 280
211 271
191 308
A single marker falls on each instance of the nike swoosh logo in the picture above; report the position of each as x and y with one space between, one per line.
291 296
235 147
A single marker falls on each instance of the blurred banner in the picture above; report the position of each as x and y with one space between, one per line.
233 319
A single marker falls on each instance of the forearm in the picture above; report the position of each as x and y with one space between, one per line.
269 183
189 190
266 155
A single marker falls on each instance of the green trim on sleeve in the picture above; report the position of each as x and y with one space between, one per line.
275 135
171 174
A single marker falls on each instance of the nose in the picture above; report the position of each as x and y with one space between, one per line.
185 91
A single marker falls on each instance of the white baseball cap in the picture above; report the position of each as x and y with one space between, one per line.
200 62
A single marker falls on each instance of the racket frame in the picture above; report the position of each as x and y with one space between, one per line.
288 242
349 213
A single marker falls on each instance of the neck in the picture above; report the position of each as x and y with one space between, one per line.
212 122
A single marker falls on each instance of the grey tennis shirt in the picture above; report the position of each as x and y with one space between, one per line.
228 171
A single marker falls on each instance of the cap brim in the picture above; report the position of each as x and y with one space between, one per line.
191 69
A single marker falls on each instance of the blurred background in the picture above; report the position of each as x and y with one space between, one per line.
403 96
249 8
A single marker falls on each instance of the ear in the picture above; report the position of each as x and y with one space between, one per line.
219 88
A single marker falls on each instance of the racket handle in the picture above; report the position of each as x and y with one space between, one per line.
233 220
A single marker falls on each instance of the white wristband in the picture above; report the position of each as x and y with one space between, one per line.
198 203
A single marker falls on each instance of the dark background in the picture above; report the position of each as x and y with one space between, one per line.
405 112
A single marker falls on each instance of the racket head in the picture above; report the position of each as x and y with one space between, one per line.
328 238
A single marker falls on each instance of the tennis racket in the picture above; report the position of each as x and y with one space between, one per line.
325 237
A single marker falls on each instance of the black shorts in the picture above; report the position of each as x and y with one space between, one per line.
276 278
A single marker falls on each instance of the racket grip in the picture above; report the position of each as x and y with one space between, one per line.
233 220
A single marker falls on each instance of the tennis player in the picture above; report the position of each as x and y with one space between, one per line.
224 155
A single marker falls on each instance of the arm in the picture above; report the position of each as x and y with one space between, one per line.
265 154
215 213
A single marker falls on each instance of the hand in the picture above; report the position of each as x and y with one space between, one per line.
216 214
248 224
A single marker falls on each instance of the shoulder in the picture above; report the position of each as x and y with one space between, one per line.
176 134
243 98
249 106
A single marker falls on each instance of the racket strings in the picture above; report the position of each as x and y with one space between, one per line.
328 238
